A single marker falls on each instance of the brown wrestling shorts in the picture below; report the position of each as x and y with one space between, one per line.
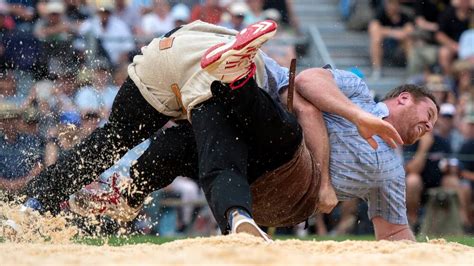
289 194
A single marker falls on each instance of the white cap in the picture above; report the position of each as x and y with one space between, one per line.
238 9
272 14
180 12
447 109
54 7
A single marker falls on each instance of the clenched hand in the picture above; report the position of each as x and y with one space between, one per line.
327 198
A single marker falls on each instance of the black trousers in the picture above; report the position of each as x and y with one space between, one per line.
132 120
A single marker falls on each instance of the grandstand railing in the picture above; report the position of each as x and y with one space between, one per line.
320 47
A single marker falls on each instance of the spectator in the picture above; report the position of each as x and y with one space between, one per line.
464 74
210 12
466 47
90 121
189 194
452 23
425 48
68 130
6 26
22 52
129 14
159 21
389 33
62 136
119 76
8 89
41 98
53 26
21 150
447 126
114 38
440 88
23 13
466 155
98 97
77 11
65 89
452 180
348 218
56 35
237 13
181 14
145 6
255 13
428 13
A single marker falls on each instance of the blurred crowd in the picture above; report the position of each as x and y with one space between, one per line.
63 61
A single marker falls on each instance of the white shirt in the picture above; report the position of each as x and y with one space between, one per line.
116 37
156 26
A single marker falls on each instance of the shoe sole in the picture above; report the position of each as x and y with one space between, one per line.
251 229
240 43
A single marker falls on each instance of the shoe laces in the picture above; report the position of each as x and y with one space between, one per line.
238 62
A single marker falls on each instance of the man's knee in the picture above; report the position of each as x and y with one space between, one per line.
414 185
450 182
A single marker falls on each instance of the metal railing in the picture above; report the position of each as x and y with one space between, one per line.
320 46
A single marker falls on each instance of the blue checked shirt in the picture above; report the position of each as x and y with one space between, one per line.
356 169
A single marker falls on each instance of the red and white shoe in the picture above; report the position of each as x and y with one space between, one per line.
104 198
233 61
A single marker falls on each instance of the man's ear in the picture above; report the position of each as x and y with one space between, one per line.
403 98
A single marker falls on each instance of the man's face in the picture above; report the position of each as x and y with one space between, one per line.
104 16
237 19
392 8
416 118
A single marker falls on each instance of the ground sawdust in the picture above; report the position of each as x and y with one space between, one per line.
241 249
33 227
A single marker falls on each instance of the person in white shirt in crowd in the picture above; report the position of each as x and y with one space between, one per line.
466 45
145 6
65 88
97 97
159 21
129 14
236 16
113 35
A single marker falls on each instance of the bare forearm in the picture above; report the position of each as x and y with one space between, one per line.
426 25
468 175
319 88
444 40
417 163
315 134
